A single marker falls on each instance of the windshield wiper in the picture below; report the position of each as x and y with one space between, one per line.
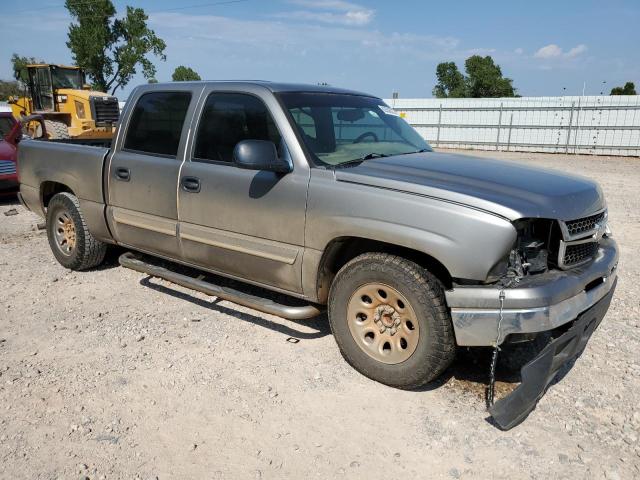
368 156
417 151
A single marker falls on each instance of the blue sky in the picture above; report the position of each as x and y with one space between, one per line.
374 46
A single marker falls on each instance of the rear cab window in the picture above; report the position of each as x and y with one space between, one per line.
156 123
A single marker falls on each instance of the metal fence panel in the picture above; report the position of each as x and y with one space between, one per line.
602 125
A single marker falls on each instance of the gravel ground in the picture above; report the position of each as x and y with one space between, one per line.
106 374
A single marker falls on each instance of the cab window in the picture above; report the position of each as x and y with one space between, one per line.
229 118
156 123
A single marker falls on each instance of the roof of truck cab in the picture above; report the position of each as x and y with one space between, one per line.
276 87
74 67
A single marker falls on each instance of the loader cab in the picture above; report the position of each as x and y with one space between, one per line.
46 80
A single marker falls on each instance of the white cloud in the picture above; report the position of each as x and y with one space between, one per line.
209 32
219 47
354 18
550 51
578 50
554 51
518 51
327 4
335 12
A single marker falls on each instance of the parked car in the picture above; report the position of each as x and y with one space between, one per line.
10 135
328 195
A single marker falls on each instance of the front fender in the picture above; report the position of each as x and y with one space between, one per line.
467 241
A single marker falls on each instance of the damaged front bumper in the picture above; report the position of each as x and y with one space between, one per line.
540 372
569 304
538 303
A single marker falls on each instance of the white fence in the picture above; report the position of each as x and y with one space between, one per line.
602 125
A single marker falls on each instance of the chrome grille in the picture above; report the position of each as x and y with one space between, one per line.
7 167
584 225
575 254
580 239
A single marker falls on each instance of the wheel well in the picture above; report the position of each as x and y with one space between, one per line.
341 250
49 189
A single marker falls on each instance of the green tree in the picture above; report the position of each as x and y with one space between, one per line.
628 89
20 67
184 74
110 49
9 89
451 83
483 79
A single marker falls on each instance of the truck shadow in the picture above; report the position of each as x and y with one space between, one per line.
8 199
469 373
320 323
110 259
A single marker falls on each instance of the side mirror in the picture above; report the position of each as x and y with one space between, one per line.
259 155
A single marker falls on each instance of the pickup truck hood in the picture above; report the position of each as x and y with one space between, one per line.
504 188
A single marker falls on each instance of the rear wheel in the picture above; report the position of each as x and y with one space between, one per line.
390 321
69 237
56 130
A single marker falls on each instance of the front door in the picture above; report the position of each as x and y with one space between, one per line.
43 89
143 172
244 223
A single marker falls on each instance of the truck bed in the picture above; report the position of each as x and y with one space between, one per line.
46 167
93 142
80 167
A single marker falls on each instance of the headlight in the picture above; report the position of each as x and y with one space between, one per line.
79 109
607 231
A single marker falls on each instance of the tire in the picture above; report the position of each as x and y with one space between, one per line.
413 294
75 249
56 130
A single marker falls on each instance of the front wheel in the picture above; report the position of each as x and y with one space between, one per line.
390 321
57 130
70 240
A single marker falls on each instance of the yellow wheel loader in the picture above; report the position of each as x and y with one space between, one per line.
69 108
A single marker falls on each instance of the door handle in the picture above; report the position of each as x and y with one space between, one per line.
123 174
190 184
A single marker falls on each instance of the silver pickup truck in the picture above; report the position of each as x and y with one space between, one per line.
328 195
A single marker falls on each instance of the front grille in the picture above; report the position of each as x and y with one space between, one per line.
106 110
7 167
577 253
583 225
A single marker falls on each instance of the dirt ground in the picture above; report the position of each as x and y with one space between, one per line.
106 374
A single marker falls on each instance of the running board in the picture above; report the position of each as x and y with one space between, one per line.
264 305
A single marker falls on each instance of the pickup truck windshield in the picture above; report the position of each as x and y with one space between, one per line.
339 128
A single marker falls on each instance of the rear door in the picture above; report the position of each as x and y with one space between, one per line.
244 223
143 171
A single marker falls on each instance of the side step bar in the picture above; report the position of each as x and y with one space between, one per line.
129 260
